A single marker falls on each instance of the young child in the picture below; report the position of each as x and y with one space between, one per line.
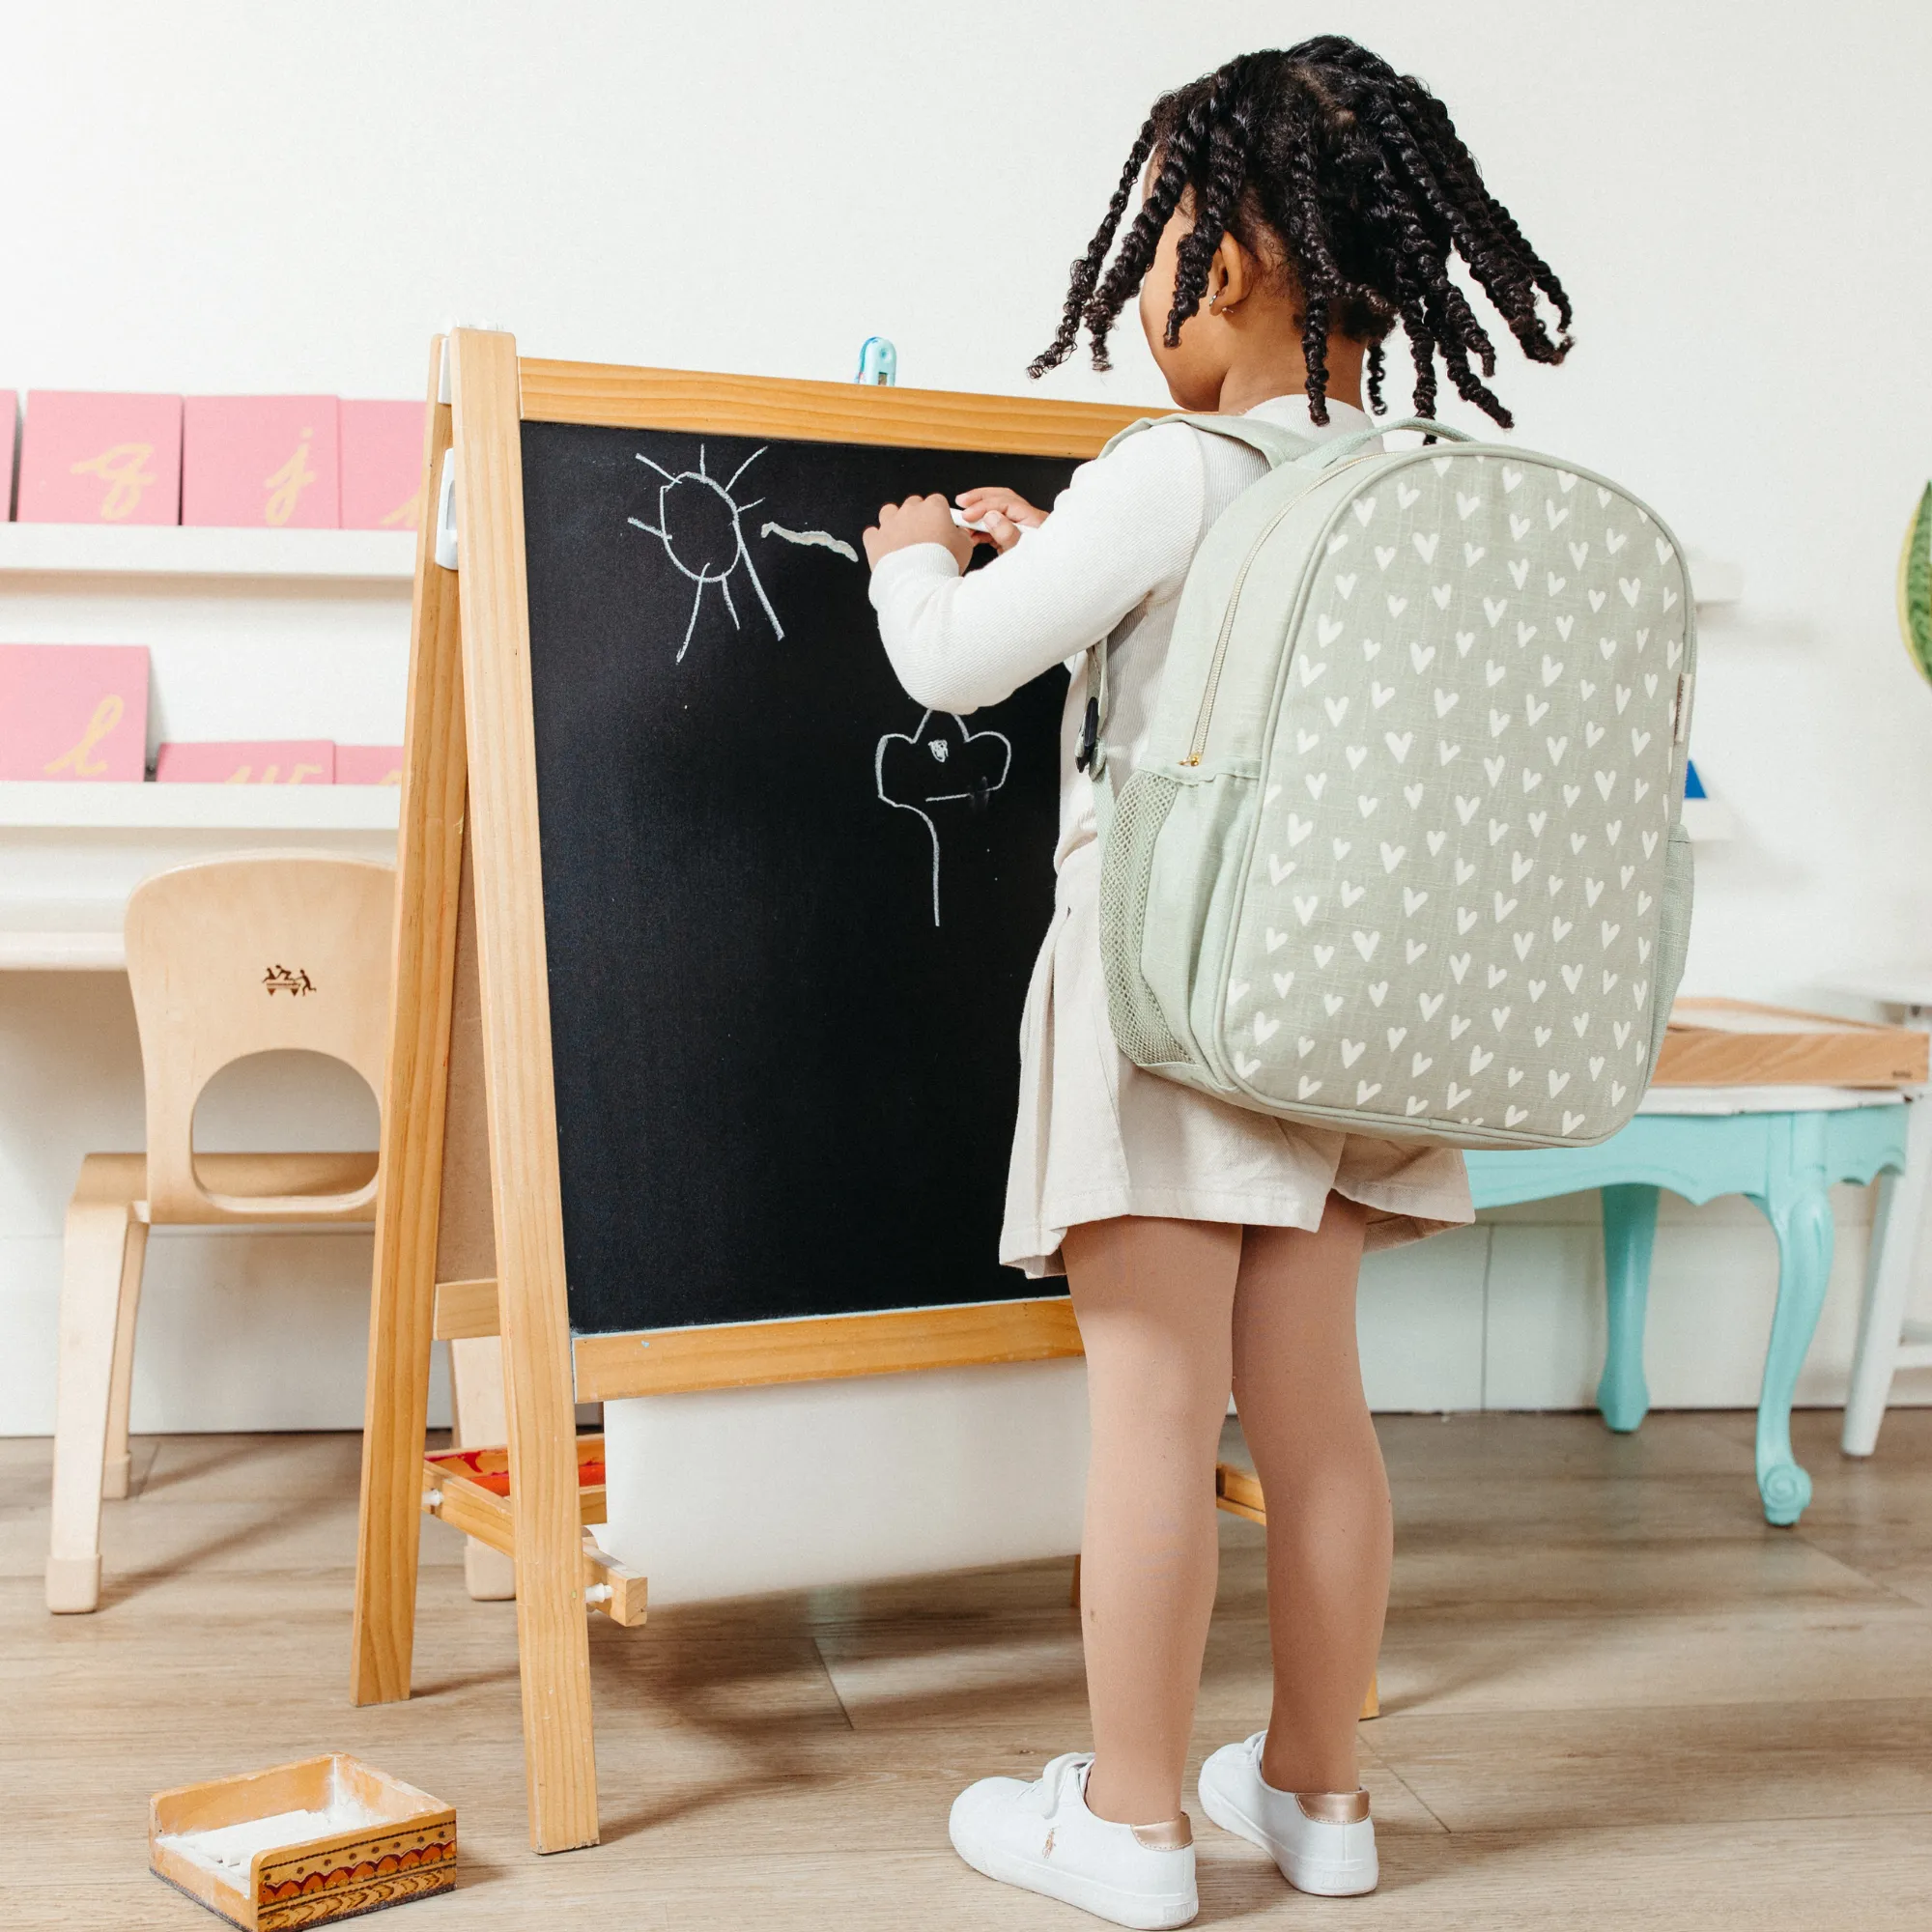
1295 207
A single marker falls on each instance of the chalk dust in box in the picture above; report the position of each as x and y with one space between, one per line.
790 915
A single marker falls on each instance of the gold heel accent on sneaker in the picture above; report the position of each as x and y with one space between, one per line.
1176 1835
1333 1808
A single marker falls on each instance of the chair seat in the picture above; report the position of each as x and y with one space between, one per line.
247 1186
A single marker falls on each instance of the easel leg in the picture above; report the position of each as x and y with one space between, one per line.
559 1753
401 1303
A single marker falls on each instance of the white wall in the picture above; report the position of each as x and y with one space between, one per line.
225 197
233 197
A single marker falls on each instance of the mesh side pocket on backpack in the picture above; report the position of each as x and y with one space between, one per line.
1140 1030
1673 935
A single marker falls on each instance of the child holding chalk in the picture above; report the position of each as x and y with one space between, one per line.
1295 207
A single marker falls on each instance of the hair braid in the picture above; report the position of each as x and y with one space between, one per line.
1350 180
1086 268
1170 185
1227 180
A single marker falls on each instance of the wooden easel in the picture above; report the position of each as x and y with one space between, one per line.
468 1225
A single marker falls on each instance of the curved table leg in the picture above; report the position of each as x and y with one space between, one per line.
1629 1229
1798 1209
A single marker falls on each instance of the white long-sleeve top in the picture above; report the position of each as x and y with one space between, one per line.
1109 561
1096 1136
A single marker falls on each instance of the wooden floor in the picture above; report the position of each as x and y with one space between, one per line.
1615 1698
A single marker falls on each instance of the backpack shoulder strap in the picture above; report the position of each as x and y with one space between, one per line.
1280 447
1268 440
1277 447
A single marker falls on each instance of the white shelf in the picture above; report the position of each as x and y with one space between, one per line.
61 951
27 804
167 550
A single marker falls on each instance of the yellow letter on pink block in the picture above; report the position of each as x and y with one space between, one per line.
73 712
261 462
100 459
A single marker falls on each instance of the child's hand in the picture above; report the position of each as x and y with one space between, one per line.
919 520
1004 512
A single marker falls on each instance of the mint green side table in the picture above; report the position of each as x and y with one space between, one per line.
1784 1161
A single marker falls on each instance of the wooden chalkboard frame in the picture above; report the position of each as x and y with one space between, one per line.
468 1230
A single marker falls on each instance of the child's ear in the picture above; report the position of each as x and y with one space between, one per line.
1232 273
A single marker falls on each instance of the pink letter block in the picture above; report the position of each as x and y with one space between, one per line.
100 459
10 418
73 711
368 764
261 462
382 465
280 761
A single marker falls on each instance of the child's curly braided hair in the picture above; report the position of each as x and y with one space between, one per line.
1325 162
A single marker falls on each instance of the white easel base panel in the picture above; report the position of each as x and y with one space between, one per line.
851 1481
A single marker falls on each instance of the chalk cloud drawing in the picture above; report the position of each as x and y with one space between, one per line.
824 539
940 762
699 525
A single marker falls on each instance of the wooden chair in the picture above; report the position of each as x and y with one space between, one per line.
231 957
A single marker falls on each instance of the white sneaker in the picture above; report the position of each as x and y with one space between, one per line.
1324 1842
1043 1836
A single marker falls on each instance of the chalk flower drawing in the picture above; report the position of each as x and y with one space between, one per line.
699 525
940 762
824 539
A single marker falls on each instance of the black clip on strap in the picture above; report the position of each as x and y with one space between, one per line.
1089 735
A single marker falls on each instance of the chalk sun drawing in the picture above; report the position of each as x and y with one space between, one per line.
824 539
940 762
699 525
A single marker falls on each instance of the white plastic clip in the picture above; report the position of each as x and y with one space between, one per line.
444 392
598 1592
446 513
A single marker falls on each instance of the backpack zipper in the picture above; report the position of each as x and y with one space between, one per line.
1198 742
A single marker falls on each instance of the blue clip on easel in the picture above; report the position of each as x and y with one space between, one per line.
878 362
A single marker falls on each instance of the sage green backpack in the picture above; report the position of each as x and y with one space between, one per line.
1403 856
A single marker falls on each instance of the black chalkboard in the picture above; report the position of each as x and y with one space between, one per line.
784 1040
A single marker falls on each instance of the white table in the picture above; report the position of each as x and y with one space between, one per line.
1887 1341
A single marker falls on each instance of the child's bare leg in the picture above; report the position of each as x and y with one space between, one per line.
1155 1303
1298 1388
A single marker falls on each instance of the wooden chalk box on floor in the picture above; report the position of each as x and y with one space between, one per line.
304 1844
